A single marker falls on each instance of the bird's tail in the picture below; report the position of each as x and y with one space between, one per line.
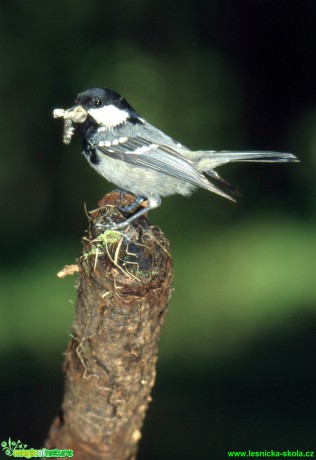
210 160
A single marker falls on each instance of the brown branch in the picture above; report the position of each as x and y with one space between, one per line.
123 290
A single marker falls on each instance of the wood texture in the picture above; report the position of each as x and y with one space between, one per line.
124 286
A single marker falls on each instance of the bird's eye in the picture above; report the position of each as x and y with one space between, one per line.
97 103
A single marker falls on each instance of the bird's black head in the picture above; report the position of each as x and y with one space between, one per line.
96 98
106 108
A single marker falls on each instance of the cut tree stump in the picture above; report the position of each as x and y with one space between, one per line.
124 285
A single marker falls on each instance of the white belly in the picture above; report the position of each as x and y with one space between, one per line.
140 180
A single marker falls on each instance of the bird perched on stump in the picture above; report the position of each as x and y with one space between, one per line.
139 158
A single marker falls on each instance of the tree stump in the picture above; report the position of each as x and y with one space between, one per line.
124 285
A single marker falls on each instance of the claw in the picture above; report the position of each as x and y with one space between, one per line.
128 208
108 225
100 228
153 202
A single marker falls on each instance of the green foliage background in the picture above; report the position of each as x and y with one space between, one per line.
237 357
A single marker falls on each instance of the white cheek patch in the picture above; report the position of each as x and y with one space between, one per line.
109 116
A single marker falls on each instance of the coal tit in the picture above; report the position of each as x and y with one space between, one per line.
139 158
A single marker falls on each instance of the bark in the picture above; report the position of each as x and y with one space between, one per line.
124 287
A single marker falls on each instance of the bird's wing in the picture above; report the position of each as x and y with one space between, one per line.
162 158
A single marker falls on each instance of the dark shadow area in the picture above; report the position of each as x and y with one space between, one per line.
30 397
263 399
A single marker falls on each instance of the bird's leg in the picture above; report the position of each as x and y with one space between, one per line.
132 206
153 202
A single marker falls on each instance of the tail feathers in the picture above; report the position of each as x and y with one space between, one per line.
270 157
215 159
222 184
212 160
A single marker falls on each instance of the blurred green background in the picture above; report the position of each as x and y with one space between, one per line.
237 357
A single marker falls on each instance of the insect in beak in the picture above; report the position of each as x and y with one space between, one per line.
75 114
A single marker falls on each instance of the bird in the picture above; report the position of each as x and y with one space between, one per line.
141 159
